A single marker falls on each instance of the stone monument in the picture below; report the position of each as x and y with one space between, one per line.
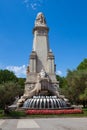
41 83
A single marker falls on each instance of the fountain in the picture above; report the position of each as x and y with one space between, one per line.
45 102
41 86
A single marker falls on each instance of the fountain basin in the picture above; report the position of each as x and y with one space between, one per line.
45 102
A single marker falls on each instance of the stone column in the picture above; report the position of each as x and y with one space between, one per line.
33 62
52 61
51 68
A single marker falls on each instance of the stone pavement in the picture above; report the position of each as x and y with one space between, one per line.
44 124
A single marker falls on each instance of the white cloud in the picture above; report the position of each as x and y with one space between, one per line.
34 4
20 71
59 72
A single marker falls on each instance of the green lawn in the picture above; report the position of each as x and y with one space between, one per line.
21 114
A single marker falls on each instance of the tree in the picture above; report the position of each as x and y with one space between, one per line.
74 85
82 65
62 81
62 84
8 92
10 87
77 83
6 75
21 81
83 98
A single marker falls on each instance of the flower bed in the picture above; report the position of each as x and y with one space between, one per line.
54 112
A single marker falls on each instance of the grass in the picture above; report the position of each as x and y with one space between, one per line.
21 114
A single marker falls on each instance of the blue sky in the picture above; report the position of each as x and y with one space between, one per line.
67 20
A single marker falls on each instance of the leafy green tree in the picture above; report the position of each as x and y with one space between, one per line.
10 87
74 85
21 81
77 82
82 65
83 98
62 84
6 75
83 68
8 92
62 81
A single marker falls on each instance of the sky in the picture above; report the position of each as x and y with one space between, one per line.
67 20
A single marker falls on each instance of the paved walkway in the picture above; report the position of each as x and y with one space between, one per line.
44 124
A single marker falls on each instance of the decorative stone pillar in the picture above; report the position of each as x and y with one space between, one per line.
33 58
51 68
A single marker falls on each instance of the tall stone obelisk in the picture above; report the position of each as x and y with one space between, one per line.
41 43
41 77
